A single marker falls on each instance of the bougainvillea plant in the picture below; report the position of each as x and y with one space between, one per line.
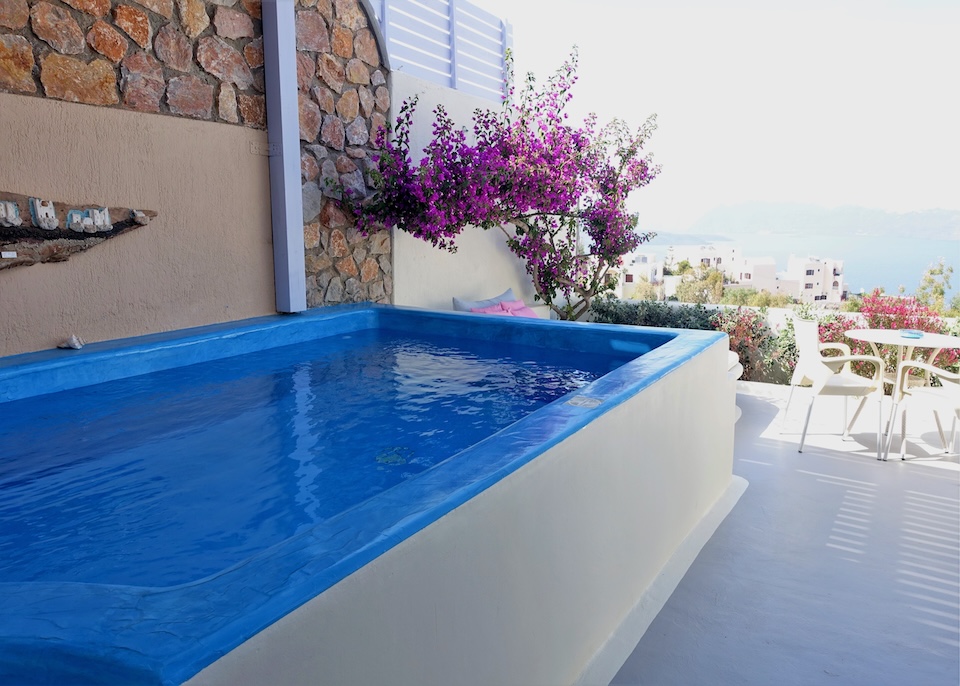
557 192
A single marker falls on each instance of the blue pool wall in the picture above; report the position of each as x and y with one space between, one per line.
55 370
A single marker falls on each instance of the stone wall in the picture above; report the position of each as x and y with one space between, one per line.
203 59
344 100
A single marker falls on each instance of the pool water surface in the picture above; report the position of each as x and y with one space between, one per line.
166 478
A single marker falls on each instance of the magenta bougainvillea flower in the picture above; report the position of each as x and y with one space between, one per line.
557 192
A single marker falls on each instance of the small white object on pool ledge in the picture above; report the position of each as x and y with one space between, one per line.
74 342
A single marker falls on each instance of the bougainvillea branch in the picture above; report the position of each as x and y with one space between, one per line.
557 192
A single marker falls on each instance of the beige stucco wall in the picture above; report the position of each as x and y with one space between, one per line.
535 580
207 257
483 266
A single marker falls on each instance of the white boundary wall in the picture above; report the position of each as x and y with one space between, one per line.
483 266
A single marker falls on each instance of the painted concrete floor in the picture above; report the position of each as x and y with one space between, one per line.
833 568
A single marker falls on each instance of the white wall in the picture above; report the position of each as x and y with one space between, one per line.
483 266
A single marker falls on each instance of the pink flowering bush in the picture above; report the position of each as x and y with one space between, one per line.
557 192
906 312
879 311
751 338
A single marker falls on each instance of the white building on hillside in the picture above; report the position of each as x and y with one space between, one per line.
643 265
818 280
759 273
639 267
711 256
807 279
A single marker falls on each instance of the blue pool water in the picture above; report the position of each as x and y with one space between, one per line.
166 478
163 499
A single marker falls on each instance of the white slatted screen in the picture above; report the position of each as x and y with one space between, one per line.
450 42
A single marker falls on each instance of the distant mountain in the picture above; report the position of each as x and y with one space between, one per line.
785 218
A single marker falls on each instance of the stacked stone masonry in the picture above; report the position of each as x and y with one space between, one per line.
203 59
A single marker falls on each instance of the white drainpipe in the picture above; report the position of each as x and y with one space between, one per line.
283 136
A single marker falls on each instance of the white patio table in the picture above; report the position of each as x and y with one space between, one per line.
905 341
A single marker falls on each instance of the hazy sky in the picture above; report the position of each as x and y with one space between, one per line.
846 102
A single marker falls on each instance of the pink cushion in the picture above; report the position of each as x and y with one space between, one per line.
518 308
490 309
511 305
525 312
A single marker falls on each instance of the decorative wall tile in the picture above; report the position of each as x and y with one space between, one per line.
142 82
174 49
310 118
95 8
333 133
190 96
312 32
331 71
135 23
232 23
227 104
348 106
193 16
106 40
14 14
253 109
162 7
357 72
67 78
253 52
57 27
224 61
342 42
350 14
365 45
16 65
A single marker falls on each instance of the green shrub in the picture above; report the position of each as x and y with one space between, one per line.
651 313
750 337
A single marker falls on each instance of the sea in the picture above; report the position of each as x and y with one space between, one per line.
869 261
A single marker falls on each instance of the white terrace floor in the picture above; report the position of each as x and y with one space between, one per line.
833 568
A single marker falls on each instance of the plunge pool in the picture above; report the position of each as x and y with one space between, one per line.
168 501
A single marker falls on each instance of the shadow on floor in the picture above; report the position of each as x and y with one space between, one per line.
833 568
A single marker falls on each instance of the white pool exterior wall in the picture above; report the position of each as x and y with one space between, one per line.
550 576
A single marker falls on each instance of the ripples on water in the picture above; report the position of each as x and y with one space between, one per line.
169 477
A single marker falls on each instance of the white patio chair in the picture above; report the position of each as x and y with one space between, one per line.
833 376
942 398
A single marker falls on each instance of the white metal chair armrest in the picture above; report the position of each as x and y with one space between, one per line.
904 370
842 364
842 347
